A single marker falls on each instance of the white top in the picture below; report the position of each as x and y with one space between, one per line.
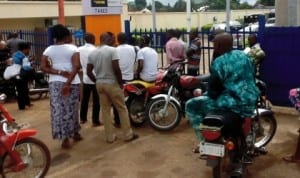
127 58
60 57
150 58
84 52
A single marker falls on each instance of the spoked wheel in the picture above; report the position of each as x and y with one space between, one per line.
160 119
265 130
136 110
36 156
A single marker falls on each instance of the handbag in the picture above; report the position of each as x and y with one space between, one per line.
11 71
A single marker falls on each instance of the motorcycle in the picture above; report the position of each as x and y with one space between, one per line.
231 142
21 154
137 94
39 86
164 111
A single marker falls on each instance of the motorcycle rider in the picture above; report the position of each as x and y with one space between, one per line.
231 86
147 59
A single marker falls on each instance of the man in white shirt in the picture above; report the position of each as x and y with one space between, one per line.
147 61
88 85
127 57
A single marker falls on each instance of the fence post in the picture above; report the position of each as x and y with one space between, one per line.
49 34
127 29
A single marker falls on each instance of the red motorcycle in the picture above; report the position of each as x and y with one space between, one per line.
137 94
164 111
21 154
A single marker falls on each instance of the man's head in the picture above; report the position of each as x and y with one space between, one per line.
24 47
107 38
223 43
122 38
193 34
145 40
252 39
170 34
89 38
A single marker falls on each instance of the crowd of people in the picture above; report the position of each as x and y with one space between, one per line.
106 68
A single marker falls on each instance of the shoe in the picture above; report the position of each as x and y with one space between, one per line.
112 141
66 144
134 137
83 122
196 149
77 137
96 124
291 159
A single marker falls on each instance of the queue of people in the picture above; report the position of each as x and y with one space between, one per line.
107 67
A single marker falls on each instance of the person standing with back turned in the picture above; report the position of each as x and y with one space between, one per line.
105 62
61 61
88 86
231 86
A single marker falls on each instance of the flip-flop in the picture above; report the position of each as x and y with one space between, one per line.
196 149
291 159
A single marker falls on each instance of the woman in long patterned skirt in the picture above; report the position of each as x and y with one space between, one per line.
61 61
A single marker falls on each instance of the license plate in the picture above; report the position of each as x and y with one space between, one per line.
212 149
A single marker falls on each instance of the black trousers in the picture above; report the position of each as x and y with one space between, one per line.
86 93
22 93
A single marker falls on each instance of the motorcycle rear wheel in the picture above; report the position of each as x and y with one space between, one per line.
136 110
161 122
265 130
36 156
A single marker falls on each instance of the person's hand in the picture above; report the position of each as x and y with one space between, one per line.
65 74
121 85
66 90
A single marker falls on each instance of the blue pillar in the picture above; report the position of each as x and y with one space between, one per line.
261 28
127 29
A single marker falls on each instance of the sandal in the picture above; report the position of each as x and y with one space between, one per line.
77 137
66 144
196 149
291 159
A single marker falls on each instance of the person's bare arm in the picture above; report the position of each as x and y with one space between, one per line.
117 72
46 67
75 69
89 72
140 67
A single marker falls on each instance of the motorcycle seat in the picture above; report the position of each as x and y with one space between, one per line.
143 83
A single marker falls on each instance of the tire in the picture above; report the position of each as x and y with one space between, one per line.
224 166
136 110
36 156
35 96
265 130
156 118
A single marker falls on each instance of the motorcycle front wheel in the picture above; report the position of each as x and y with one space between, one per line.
265 129
35 155
160 119
136 110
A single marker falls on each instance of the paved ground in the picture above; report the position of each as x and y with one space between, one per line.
154 154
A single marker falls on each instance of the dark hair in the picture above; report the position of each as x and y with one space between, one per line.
23 45
122 38
59 32
145 39
89 38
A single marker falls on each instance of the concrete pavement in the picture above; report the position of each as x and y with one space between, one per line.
153 155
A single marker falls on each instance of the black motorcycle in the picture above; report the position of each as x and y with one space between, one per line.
232 142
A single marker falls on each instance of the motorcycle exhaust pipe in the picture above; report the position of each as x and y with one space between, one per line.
38 90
